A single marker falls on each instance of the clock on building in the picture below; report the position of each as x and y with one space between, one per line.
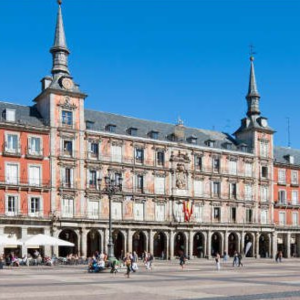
67 83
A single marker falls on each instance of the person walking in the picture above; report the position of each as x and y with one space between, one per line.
235 259
182 259
240 257
127 262
218 258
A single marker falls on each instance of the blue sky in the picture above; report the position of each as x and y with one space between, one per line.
159 60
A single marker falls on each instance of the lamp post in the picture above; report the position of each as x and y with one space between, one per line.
112 186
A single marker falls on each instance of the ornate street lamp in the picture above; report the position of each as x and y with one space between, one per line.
112 187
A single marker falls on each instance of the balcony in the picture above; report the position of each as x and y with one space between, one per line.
69 126
10 151
22 182
68 185
33 154
67 154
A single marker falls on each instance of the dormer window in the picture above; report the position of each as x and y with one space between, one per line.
132 131
111 128
243 147
210 143
172 137
290 159
10 115
89 124
153 135
228 146
192 139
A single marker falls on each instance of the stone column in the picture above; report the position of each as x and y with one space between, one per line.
1 234
208 253
191 245
171 249
166 249
83 239
257 245
129 241
151 241
274 244
242 242
226 235
24 236
47 249
288 245
55 234
147 241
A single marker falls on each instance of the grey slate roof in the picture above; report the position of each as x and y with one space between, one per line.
281 155
100 120
25 115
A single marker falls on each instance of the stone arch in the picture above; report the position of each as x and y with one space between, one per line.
71 236
93 242
264 243
139 243
248 244
282 244
119 243
160 245
199 245
216 243
233 243
179 243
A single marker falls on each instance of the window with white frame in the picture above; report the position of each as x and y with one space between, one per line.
68 208
12 205
281 218
117 211
67 118
67 177
93 176
12 143
217 214
139 211
282 176
159 185
12 173
232 167
93 209
248 169
282 196
198 213
198 188
35 206
34 176
160 211
216 189
294 177
263 216
233 190
67 147
248 192
116 153
216 165
10 115
93 150
264 191
179 215
264 149
34 145
295 197
295 218
139 155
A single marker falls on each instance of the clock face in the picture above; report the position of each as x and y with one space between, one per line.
67 83
264 123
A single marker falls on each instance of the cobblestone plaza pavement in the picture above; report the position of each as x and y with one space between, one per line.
263 279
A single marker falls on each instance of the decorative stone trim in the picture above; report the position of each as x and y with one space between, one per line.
160 174
66 104
116 142
198 177
232 158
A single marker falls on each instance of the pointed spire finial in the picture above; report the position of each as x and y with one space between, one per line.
60 49
252 95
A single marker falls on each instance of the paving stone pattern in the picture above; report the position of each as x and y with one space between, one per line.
257 280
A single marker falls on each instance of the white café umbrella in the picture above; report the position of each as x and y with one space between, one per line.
9 242
45 240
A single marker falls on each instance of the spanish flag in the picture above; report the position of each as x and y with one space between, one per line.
187 210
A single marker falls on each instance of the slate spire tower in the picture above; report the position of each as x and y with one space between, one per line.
253 95
59 50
